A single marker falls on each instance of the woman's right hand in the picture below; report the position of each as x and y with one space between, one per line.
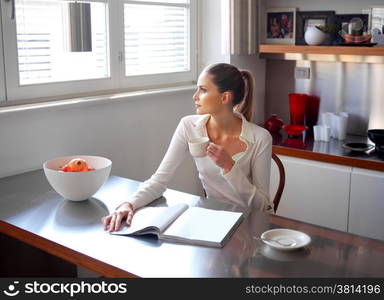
113 221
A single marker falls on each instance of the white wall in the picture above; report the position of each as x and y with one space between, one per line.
211 38
258 68
210 35
134 134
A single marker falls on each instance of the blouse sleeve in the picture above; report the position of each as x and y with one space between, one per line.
255 192
155 186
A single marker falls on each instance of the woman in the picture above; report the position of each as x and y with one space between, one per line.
238 160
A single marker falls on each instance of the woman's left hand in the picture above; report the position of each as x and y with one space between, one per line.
220 157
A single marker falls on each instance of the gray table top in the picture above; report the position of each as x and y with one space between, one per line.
29 204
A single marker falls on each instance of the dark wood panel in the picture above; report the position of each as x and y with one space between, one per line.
56 250
18 259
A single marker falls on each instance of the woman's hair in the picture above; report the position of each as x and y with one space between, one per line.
239 82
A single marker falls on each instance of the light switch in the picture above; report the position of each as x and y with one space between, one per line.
302 73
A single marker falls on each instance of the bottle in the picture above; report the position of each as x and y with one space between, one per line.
273 123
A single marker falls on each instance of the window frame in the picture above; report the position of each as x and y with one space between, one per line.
161 79
117 80
2 75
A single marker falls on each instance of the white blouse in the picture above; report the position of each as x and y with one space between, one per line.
247 184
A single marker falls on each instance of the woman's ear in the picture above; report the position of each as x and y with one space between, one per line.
226 97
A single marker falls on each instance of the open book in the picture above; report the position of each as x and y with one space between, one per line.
184 224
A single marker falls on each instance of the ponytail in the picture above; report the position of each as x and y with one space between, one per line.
245 107
227 77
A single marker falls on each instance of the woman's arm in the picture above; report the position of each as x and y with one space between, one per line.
155 186
255 192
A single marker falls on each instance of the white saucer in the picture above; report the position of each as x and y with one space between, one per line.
285 256
298 239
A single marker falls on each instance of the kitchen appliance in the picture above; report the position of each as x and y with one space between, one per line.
377 136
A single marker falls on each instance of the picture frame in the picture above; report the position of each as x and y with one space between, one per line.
313 18
342 19
376 18
376 24
279 26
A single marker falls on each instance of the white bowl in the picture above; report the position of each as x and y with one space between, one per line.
77 186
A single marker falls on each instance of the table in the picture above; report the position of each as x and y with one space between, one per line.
35 214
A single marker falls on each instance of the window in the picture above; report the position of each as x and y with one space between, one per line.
2 86
156 39
64 47
44 41
159 41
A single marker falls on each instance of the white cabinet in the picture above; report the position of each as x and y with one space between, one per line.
315 192
367 203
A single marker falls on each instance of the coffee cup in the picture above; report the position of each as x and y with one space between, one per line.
198 146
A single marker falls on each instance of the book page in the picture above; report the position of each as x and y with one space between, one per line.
153 219
203 226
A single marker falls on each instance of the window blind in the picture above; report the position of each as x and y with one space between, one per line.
43 43
156 38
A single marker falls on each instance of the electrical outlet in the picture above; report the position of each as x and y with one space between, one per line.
302 73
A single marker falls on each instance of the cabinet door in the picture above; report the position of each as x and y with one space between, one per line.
367 203
314 192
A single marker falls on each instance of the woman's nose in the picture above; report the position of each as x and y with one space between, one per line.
195 97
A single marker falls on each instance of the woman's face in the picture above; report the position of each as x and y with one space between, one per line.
208 100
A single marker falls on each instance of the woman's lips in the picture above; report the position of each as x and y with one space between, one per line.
197 105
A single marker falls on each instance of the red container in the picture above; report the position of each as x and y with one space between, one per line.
312 111
295 130
297 104
294 143
273 124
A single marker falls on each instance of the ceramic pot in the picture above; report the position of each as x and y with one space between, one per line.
314 36
273 124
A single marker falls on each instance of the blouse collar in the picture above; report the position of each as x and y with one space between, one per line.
246 127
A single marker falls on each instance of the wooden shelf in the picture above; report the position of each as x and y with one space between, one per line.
330 50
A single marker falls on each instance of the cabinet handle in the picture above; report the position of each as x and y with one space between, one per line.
13 8
252 9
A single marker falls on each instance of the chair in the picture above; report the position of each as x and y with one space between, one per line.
280 188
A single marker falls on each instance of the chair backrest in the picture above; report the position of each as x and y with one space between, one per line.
280 188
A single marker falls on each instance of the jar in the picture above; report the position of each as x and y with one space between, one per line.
314 36
273 123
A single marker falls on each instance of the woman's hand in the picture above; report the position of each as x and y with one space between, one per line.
113 221
220 157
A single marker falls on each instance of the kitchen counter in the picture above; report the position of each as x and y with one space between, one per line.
331 152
